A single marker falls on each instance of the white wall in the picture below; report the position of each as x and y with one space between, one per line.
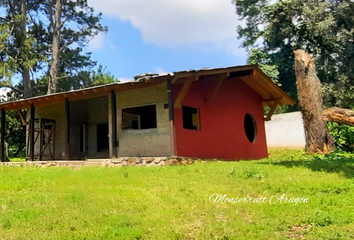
285 131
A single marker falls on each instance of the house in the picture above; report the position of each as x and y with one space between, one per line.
207 113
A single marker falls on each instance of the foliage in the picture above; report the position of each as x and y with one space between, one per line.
278 109
173 202
99 76
322 28
26 39
343 136
102 76
263 61
15 134
69 23
32 49
15 56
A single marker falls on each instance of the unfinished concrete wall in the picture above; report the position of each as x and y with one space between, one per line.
97 114
57 113
285 131
144 142
78 117
84 112
88 113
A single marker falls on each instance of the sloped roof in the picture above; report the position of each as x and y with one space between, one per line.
250 74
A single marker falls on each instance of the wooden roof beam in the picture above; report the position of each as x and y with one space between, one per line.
222 78
272 109
185 88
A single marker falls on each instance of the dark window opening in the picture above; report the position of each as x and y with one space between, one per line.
250 128
102 137
139 117
190 118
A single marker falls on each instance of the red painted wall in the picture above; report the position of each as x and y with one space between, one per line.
222 133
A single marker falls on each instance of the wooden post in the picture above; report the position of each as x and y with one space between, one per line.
41 131
32 132
114 124
171 118
67 133
3 157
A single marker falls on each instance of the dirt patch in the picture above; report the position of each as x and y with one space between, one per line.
298 231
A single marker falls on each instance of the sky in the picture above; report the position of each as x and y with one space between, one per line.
166 36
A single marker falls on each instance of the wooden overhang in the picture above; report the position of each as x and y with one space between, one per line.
86 93
272 95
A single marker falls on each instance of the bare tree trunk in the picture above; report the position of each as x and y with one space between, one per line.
53 81
339 115
25 71
318 139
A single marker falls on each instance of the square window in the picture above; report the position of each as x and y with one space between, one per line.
139 117
190 118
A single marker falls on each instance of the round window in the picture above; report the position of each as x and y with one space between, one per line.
250 128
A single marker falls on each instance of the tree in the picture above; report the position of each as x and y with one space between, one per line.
47 38
87 79
44 39
62 14
102 76
18 51
318 139
323 28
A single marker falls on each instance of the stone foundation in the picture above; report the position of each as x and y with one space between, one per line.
118 162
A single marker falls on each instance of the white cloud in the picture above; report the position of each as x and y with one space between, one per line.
159 70
234 49
175 22
97 42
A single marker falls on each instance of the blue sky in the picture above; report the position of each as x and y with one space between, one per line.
165 36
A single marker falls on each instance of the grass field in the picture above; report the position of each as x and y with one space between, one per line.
173 202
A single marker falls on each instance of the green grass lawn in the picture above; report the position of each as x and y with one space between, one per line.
173 202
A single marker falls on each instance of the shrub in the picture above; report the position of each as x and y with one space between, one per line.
343 136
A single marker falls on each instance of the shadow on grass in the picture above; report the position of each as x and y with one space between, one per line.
331 163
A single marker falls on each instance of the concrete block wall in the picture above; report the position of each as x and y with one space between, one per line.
89 112
144 142
97 114
132 143
285 131
78 116
57 113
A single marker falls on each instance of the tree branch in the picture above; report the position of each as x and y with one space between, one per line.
66 45
12 88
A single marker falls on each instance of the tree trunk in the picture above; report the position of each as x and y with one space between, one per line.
318 139
52 85
26 77
339 115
